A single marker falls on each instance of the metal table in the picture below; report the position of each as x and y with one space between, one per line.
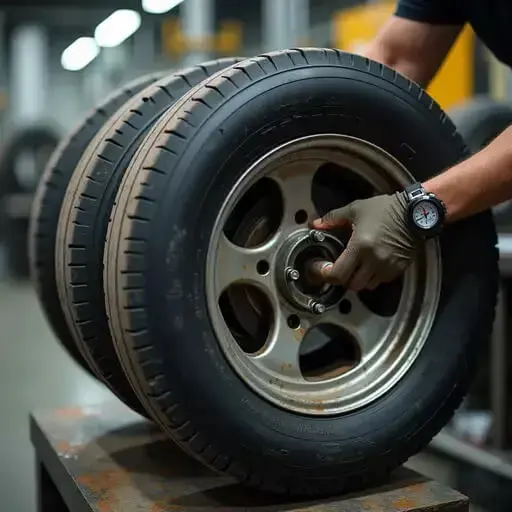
108 459
491 462
501 384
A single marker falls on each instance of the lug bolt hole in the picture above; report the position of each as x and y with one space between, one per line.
301 217
293 322
345 307
263 267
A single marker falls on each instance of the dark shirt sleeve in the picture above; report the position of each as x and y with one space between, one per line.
441 12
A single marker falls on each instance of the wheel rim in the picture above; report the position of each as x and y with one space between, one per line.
257 288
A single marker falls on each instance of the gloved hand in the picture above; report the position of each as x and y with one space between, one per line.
381 246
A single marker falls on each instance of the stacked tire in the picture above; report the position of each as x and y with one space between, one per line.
480 121
123 260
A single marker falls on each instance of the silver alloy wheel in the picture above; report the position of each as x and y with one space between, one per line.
388 346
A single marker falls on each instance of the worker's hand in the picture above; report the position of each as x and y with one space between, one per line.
381 246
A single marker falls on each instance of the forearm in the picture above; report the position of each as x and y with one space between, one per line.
412 69
414 49
478 183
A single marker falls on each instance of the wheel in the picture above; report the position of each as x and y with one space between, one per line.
47 204
229 341
22 159
86 212
38 141
480 121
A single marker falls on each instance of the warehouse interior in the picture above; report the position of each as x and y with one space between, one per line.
60 60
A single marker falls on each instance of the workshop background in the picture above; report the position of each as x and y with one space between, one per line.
58 59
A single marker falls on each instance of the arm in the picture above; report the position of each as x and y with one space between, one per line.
415 49
382 245
415 41
478 183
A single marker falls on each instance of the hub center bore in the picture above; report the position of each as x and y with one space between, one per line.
298 285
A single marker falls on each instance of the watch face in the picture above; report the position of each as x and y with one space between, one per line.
425 215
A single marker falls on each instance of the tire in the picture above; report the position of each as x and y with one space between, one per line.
480 121
32 137
48 202
85 216
156 270
15 190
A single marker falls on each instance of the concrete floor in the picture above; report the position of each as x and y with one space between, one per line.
35 373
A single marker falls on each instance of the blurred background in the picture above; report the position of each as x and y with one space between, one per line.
60 58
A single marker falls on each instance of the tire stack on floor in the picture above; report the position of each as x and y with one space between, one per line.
127 257
23 156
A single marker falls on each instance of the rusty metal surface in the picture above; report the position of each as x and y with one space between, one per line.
120 462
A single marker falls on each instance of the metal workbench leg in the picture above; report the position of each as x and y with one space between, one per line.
48 497
500 376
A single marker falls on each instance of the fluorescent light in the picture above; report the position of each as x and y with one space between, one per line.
159 6
119 26
79 54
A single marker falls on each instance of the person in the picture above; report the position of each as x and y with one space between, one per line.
388 229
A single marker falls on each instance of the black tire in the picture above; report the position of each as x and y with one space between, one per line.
14 191
14 231
155 272
48 202
85 216
32 137
480 121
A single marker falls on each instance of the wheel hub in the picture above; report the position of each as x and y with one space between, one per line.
296 282
312 348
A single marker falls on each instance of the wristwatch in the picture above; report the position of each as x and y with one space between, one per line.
425 212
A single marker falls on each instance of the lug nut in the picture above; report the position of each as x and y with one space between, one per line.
317 308
317 236
292 274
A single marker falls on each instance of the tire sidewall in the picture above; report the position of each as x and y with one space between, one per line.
309 101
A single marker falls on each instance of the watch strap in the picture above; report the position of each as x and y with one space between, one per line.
414 191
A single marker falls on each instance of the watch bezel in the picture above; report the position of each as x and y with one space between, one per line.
441 214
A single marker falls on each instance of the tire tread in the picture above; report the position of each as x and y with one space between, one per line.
47 204
82 218
137 352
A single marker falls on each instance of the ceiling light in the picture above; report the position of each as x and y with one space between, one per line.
118 27
79 54
159 6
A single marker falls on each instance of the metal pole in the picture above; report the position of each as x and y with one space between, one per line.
144 48
29 86
3 70
299 22
276 25
29 64
198 17
500 376
498 77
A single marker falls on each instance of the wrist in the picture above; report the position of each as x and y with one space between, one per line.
425 212
477 183
443 187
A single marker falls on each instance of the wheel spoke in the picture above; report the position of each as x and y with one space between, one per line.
296 181
282 355
306 365
367 328
237 264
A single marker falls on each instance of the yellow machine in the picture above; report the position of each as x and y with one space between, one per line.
227 41
454 83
